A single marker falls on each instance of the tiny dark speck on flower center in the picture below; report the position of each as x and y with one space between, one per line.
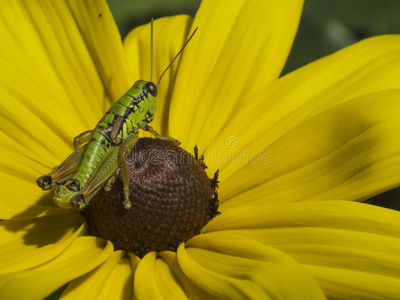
172 200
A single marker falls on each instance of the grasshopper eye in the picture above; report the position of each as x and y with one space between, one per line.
152 88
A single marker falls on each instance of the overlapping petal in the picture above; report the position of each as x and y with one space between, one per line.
341 284
21 198
19 169
369 66
103 42
43 35
77 48
82 256
171 31
191 290
356 243
29 243
350 152
228 58
111 280
329 130
231 267
155 280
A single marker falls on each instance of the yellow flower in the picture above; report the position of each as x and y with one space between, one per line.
320 139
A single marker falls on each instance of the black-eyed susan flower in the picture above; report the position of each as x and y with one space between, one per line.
296 154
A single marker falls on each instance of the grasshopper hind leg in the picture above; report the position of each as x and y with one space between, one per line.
79 201
105 172
124 150
83 138
102 176
63 172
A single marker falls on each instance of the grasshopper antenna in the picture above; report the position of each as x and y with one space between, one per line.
151 50
180 51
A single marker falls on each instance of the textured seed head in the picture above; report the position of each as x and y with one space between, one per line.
171 196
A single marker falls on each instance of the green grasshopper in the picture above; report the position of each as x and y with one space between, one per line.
99 152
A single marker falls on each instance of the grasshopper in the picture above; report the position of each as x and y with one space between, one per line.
99 152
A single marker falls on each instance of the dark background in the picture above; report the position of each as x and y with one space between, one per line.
325 27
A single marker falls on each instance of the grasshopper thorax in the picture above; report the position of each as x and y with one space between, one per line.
143 96
143 88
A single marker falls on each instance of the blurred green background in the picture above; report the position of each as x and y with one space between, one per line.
325 27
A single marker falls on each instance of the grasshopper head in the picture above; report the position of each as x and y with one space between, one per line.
151 98
63 196
149 91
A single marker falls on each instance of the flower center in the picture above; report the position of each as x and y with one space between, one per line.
172 199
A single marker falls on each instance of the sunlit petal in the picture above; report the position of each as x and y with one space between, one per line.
103 41
231 267
331 237
171 31
228 58
29 243
74 44
111 280
366 67
352 284
155 280
326 131
82 256
192 291
349 152
68 84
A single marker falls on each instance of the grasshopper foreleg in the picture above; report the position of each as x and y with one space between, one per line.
144 126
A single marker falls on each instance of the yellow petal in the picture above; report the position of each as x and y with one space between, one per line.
103 41
356 243
134 261
134 264
350 284
32 137
325 214
111 280
239 46
191 290
232 267
348 152
366 67
155 280
82 256
19 169
351 256
29 243
169 35
21 197
55 59
58 76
